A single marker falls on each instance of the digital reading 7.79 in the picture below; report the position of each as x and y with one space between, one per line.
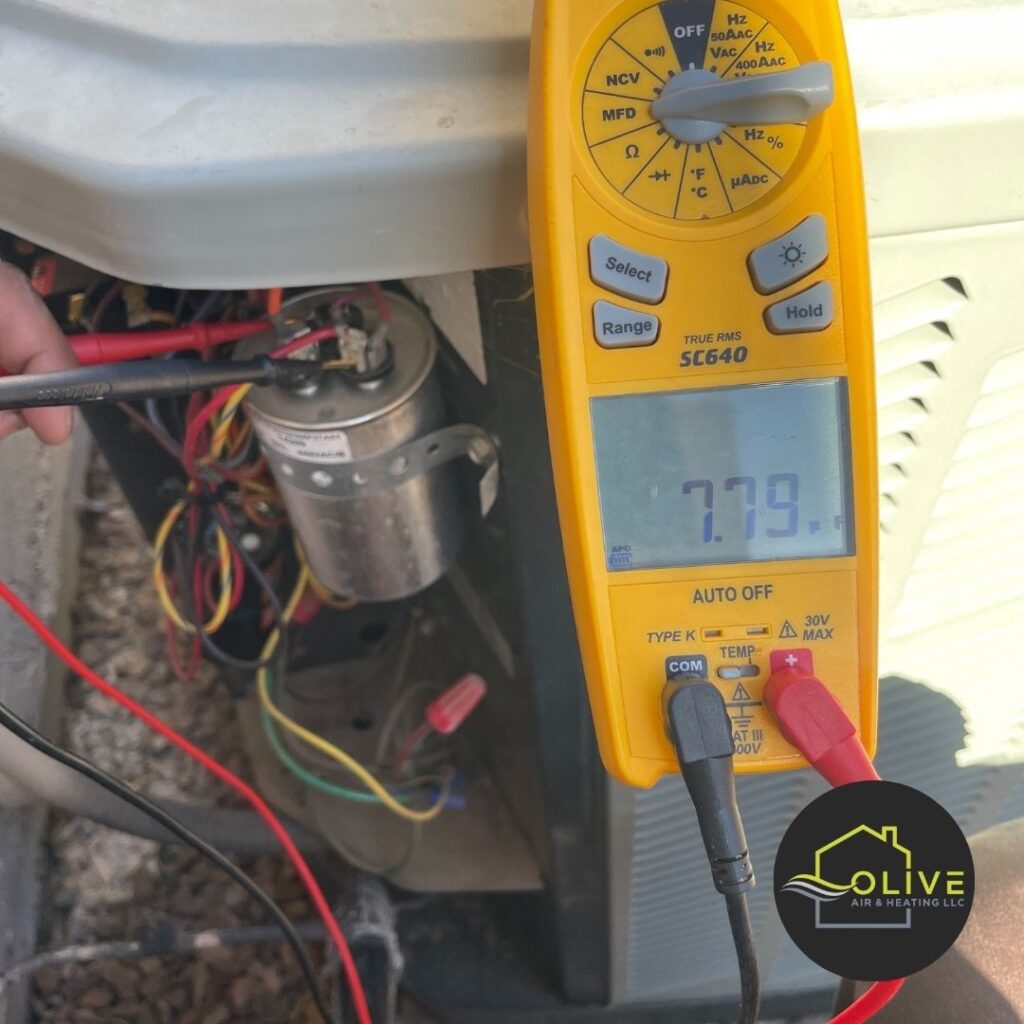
724 476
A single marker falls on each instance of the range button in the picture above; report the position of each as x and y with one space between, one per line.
618 327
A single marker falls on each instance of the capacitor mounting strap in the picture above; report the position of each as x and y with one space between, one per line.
367 477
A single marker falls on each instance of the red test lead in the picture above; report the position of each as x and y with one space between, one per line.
94 349
815 723
880 995
813 720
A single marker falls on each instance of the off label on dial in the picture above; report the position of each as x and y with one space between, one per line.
639 157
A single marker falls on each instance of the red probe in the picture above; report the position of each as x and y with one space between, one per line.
815 723
92 349
96 349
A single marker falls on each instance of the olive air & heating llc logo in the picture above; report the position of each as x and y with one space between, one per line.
874 881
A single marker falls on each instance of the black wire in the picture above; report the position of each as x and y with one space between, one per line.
164 940
10 721
846 996
746 955
194 615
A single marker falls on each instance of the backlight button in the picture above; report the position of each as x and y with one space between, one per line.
790 257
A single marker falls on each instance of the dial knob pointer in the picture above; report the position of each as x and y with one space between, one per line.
696 105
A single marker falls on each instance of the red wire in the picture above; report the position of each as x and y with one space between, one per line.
203 417
213 766
417 736
185 674
198 596
880 995
811 718
381 300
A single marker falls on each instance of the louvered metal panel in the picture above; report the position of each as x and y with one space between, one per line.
678 938
951 448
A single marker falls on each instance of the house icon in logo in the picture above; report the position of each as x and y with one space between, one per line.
858 881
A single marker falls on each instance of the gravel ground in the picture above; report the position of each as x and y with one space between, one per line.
105 885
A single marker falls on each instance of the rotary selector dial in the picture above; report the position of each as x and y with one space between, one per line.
695 109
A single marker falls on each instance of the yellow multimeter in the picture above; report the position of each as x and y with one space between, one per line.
700 258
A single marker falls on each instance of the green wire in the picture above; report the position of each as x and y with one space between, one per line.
305 775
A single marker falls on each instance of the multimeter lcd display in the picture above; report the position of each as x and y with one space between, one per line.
716 477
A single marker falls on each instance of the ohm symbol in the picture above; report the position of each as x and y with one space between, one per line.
632 152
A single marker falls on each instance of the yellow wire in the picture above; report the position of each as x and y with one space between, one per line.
328 596
220 434
258 488
223 608
231 406
318 742
345 760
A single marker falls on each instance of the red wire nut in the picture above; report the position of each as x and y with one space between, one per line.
456 704
815 723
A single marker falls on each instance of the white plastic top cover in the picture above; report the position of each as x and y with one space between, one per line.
251 143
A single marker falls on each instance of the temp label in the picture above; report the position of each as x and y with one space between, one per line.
322 447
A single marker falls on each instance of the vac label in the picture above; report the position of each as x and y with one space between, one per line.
322 447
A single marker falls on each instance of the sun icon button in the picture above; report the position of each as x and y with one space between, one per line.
794 255
791 257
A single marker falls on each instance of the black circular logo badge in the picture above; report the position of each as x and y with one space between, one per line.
874 881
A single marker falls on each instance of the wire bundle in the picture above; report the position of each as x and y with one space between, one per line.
213 588
204 585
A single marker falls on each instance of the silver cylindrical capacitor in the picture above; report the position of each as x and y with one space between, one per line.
379 515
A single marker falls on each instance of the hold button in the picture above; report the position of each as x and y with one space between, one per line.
809 311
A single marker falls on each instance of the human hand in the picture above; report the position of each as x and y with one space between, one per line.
31 342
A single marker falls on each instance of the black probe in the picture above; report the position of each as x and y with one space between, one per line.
699 725
129 382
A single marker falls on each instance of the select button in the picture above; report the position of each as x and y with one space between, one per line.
617 327
625 272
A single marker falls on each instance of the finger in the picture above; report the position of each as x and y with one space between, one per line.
31 342
26 327
10 423
51 426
